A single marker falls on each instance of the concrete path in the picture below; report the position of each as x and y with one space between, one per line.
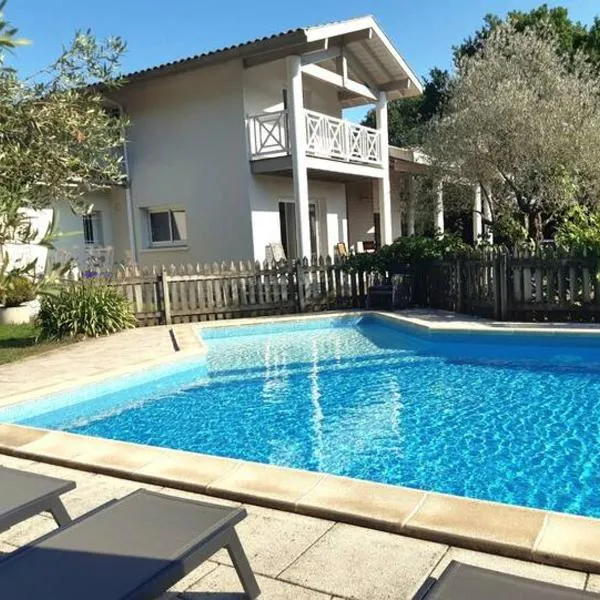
295 557
69 365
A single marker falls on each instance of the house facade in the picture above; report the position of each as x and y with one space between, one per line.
245 147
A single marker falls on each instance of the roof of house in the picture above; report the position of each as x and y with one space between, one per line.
372 57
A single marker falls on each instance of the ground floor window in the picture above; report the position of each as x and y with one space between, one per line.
92 229
287 225
377 227
167 227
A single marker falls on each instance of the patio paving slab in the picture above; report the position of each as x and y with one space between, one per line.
593 583
223 584
69 365
273 539
364 564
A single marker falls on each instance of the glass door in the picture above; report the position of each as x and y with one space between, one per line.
287 225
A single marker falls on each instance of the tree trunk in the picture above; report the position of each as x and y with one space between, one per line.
537 227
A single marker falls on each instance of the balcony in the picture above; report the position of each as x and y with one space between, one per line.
326 138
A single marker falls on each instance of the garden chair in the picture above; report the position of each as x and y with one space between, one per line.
23 495
134 548
460 581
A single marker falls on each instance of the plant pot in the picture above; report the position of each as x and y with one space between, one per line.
16 315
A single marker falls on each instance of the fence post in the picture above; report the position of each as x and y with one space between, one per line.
300 286
459 286
166 299
503 285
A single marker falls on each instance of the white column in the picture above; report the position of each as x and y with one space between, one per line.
477 213
297 133
487 216
384 189
412 201
438 209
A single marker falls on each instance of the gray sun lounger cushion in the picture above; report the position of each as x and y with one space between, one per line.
23 495
462 582
135 548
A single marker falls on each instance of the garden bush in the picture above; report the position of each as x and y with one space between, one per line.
411 250
579 231
84 310
19 290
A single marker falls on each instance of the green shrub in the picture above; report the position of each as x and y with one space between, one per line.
580 231
410 251
84 310
508 231
19 289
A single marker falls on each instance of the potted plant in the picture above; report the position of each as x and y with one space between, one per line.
16 298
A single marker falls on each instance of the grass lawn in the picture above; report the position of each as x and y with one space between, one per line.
18 341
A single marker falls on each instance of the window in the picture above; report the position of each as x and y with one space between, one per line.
92 229
167 227
287 225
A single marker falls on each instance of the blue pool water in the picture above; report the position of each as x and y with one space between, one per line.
507 417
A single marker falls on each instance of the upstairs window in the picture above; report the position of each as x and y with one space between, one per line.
167 227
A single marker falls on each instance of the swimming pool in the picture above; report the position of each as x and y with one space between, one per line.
505 417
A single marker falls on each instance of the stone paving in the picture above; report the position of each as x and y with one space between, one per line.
295 557
92 358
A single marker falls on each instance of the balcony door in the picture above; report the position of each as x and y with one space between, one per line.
288 231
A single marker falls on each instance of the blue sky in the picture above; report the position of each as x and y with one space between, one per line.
158 31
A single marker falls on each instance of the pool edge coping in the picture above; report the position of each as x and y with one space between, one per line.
542 536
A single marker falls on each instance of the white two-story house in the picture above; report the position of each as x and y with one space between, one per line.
245 146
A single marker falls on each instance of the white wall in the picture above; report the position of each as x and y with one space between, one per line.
360 212
70 244
267 191
362 203
187 150
263 87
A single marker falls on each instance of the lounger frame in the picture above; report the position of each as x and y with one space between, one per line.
222 535
43 502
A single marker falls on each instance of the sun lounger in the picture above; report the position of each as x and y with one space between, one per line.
23 495
130 549
461 582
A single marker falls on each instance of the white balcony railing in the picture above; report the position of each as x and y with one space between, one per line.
268 134
326 137
329 137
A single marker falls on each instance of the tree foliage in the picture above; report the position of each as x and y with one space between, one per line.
571 37
8 33
580 231
409 117
525 118
59 138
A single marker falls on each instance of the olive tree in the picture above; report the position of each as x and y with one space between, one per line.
524 120
59 137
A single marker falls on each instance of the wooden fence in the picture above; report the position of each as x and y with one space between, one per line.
190 293
524 285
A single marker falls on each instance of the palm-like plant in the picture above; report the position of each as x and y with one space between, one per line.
8 33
